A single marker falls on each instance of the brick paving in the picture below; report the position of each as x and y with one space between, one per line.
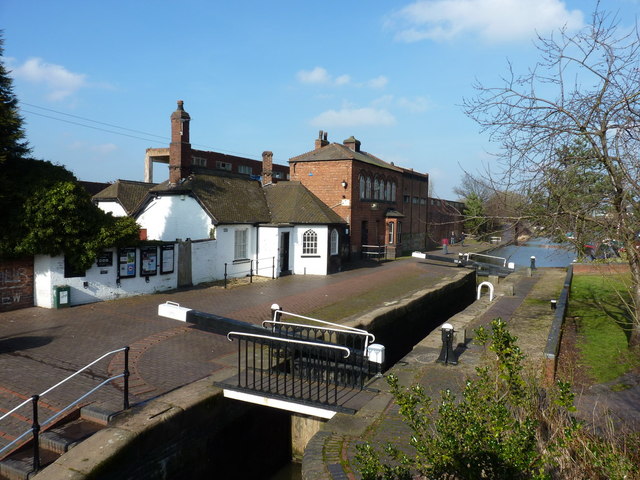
40 347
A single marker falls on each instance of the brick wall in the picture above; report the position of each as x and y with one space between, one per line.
16 284
324 179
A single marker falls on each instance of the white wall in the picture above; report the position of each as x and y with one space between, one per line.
100 281
269 250
225 235
175 216
113 207
310 265
205 264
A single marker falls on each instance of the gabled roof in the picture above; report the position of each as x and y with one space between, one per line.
128 193
291 202
227 198
337 151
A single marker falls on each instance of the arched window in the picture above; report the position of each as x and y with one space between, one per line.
310 243
362 188
387 193
334 242
376 189
367 193
393 191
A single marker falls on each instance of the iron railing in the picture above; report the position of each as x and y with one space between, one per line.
313 329
307 371
37 426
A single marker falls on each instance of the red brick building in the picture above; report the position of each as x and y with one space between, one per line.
384 205
203 158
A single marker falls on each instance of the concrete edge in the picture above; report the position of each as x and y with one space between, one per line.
79 462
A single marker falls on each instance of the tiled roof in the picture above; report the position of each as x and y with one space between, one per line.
291 202
337 151
227 198
129 193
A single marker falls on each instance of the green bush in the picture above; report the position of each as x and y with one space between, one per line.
506 425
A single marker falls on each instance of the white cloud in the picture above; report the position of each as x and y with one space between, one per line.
354 117
378 82
320 76
59 81
317 75
491 20
415 105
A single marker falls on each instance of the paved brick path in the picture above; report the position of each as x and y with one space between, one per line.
40 347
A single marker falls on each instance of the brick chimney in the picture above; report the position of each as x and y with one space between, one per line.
352 143
322 140
267 167
180 148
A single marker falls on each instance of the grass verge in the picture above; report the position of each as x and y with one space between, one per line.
604 324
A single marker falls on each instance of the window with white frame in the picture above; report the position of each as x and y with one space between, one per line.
310 243
391 226
334 242
240 246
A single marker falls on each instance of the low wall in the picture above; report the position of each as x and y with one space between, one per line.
16 284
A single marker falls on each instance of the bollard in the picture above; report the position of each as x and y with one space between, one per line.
447 356
554 304
533 263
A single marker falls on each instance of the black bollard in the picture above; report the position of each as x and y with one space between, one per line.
447 356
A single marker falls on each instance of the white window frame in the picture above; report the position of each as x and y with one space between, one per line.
241 244
310 242
334 242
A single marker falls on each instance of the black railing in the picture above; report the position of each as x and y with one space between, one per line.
356 340
292 369
37 426
377 252
244 268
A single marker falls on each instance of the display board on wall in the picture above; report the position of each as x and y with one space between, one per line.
167 258
148 261
127 262
105 259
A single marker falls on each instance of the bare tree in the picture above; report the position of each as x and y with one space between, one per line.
585 88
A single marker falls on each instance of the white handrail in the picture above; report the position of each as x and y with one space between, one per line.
82 369
327 329
324 322
288 340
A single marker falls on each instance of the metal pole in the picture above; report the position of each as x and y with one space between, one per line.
225 275
251 272
35 428
273 268
126 378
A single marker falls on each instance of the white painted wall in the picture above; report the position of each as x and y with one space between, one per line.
205 264
175 216
310 265
101 281
269 251
225 235
112 207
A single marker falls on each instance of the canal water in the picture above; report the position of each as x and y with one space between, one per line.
547 253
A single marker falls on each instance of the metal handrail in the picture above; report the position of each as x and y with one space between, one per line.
37 427
323 322
504 260
289 340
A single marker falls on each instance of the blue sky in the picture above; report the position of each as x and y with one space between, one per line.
258 75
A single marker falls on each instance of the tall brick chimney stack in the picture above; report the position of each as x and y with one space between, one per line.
180 148
353 143
267 167
321 141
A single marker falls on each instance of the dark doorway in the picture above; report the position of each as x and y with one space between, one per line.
364 233
284 254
